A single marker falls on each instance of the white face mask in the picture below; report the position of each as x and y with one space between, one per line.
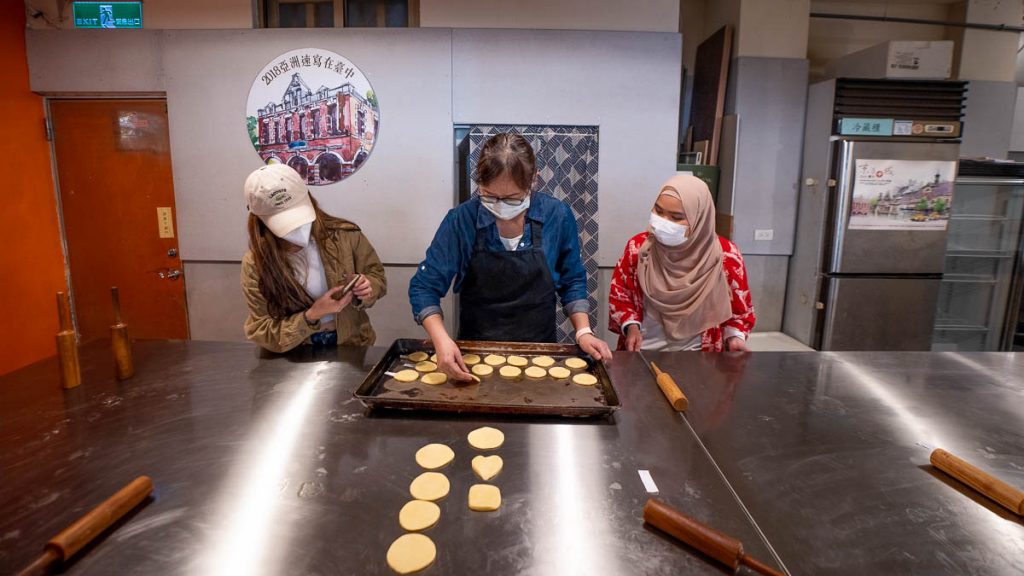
503 211
300 236
667 232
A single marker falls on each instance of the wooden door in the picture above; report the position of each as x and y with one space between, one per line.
117 201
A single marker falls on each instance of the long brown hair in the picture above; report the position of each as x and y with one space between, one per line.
284 294
506 153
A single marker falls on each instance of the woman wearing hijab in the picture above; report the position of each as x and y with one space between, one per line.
680 286
300 261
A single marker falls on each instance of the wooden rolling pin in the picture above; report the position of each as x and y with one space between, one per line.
75 537
67 345
725 549
1007 496
670 389
119 342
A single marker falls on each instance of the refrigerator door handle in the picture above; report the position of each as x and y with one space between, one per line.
843 198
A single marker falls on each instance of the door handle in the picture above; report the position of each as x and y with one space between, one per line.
169 275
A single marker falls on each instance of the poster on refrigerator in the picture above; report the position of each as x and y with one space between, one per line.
902 195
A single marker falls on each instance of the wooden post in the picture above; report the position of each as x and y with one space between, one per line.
119 342
67 345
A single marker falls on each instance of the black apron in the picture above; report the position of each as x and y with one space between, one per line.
508 296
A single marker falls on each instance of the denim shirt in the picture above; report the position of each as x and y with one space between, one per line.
449 253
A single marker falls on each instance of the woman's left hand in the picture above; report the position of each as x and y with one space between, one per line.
363 289
736 344
595 347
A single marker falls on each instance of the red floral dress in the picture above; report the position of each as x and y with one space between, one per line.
626 299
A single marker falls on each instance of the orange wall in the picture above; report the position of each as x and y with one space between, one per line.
31 261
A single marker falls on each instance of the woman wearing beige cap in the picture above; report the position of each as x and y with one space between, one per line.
308 276
680 286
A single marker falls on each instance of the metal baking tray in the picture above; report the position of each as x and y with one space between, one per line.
494 394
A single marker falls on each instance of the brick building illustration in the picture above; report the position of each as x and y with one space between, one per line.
324 134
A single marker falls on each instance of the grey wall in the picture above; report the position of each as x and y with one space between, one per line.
769 95
988 128
626 83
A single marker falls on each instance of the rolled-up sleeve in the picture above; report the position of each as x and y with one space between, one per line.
434 276
572 276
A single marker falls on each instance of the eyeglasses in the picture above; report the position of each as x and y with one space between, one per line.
505 201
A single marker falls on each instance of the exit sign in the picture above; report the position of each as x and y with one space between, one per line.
108 14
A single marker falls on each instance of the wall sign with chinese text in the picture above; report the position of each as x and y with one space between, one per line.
315 111
107 14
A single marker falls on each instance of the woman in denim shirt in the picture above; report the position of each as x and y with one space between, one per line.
511 254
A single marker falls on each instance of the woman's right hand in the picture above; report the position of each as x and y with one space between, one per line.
633 338
449 359
326 304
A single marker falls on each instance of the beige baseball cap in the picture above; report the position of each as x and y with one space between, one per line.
279 196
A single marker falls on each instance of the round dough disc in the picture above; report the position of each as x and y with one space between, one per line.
584 379
536 372
434 378
558 373
417 356
494 360
484 497
407 375
425 366
434 456
518 361
482 370
419 515
486 438
543 361
411 553
576 363
471 359
430 486
510 372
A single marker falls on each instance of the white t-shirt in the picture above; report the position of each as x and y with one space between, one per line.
309 270
511 243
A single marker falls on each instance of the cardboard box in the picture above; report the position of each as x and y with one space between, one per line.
919 60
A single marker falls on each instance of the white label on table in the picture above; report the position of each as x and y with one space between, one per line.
649 484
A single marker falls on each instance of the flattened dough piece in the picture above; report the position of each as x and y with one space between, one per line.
471 359
558 372
517 361
576 363
434 456
406 375
535 372
543 361
417 356
482 370
584 379
510 372
433 358
418 515
430 486
434 378
425 366
484 497
494 360
411 553
487 467
486 438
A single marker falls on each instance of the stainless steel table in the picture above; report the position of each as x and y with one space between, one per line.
829 453
267 466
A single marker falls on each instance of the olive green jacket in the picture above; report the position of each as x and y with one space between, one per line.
343 249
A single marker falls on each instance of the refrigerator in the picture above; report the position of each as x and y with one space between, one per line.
880 159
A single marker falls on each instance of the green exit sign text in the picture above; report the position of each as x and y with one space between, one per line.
108 14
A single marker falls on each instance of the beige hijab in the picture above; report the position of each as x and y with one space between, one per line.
685 285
